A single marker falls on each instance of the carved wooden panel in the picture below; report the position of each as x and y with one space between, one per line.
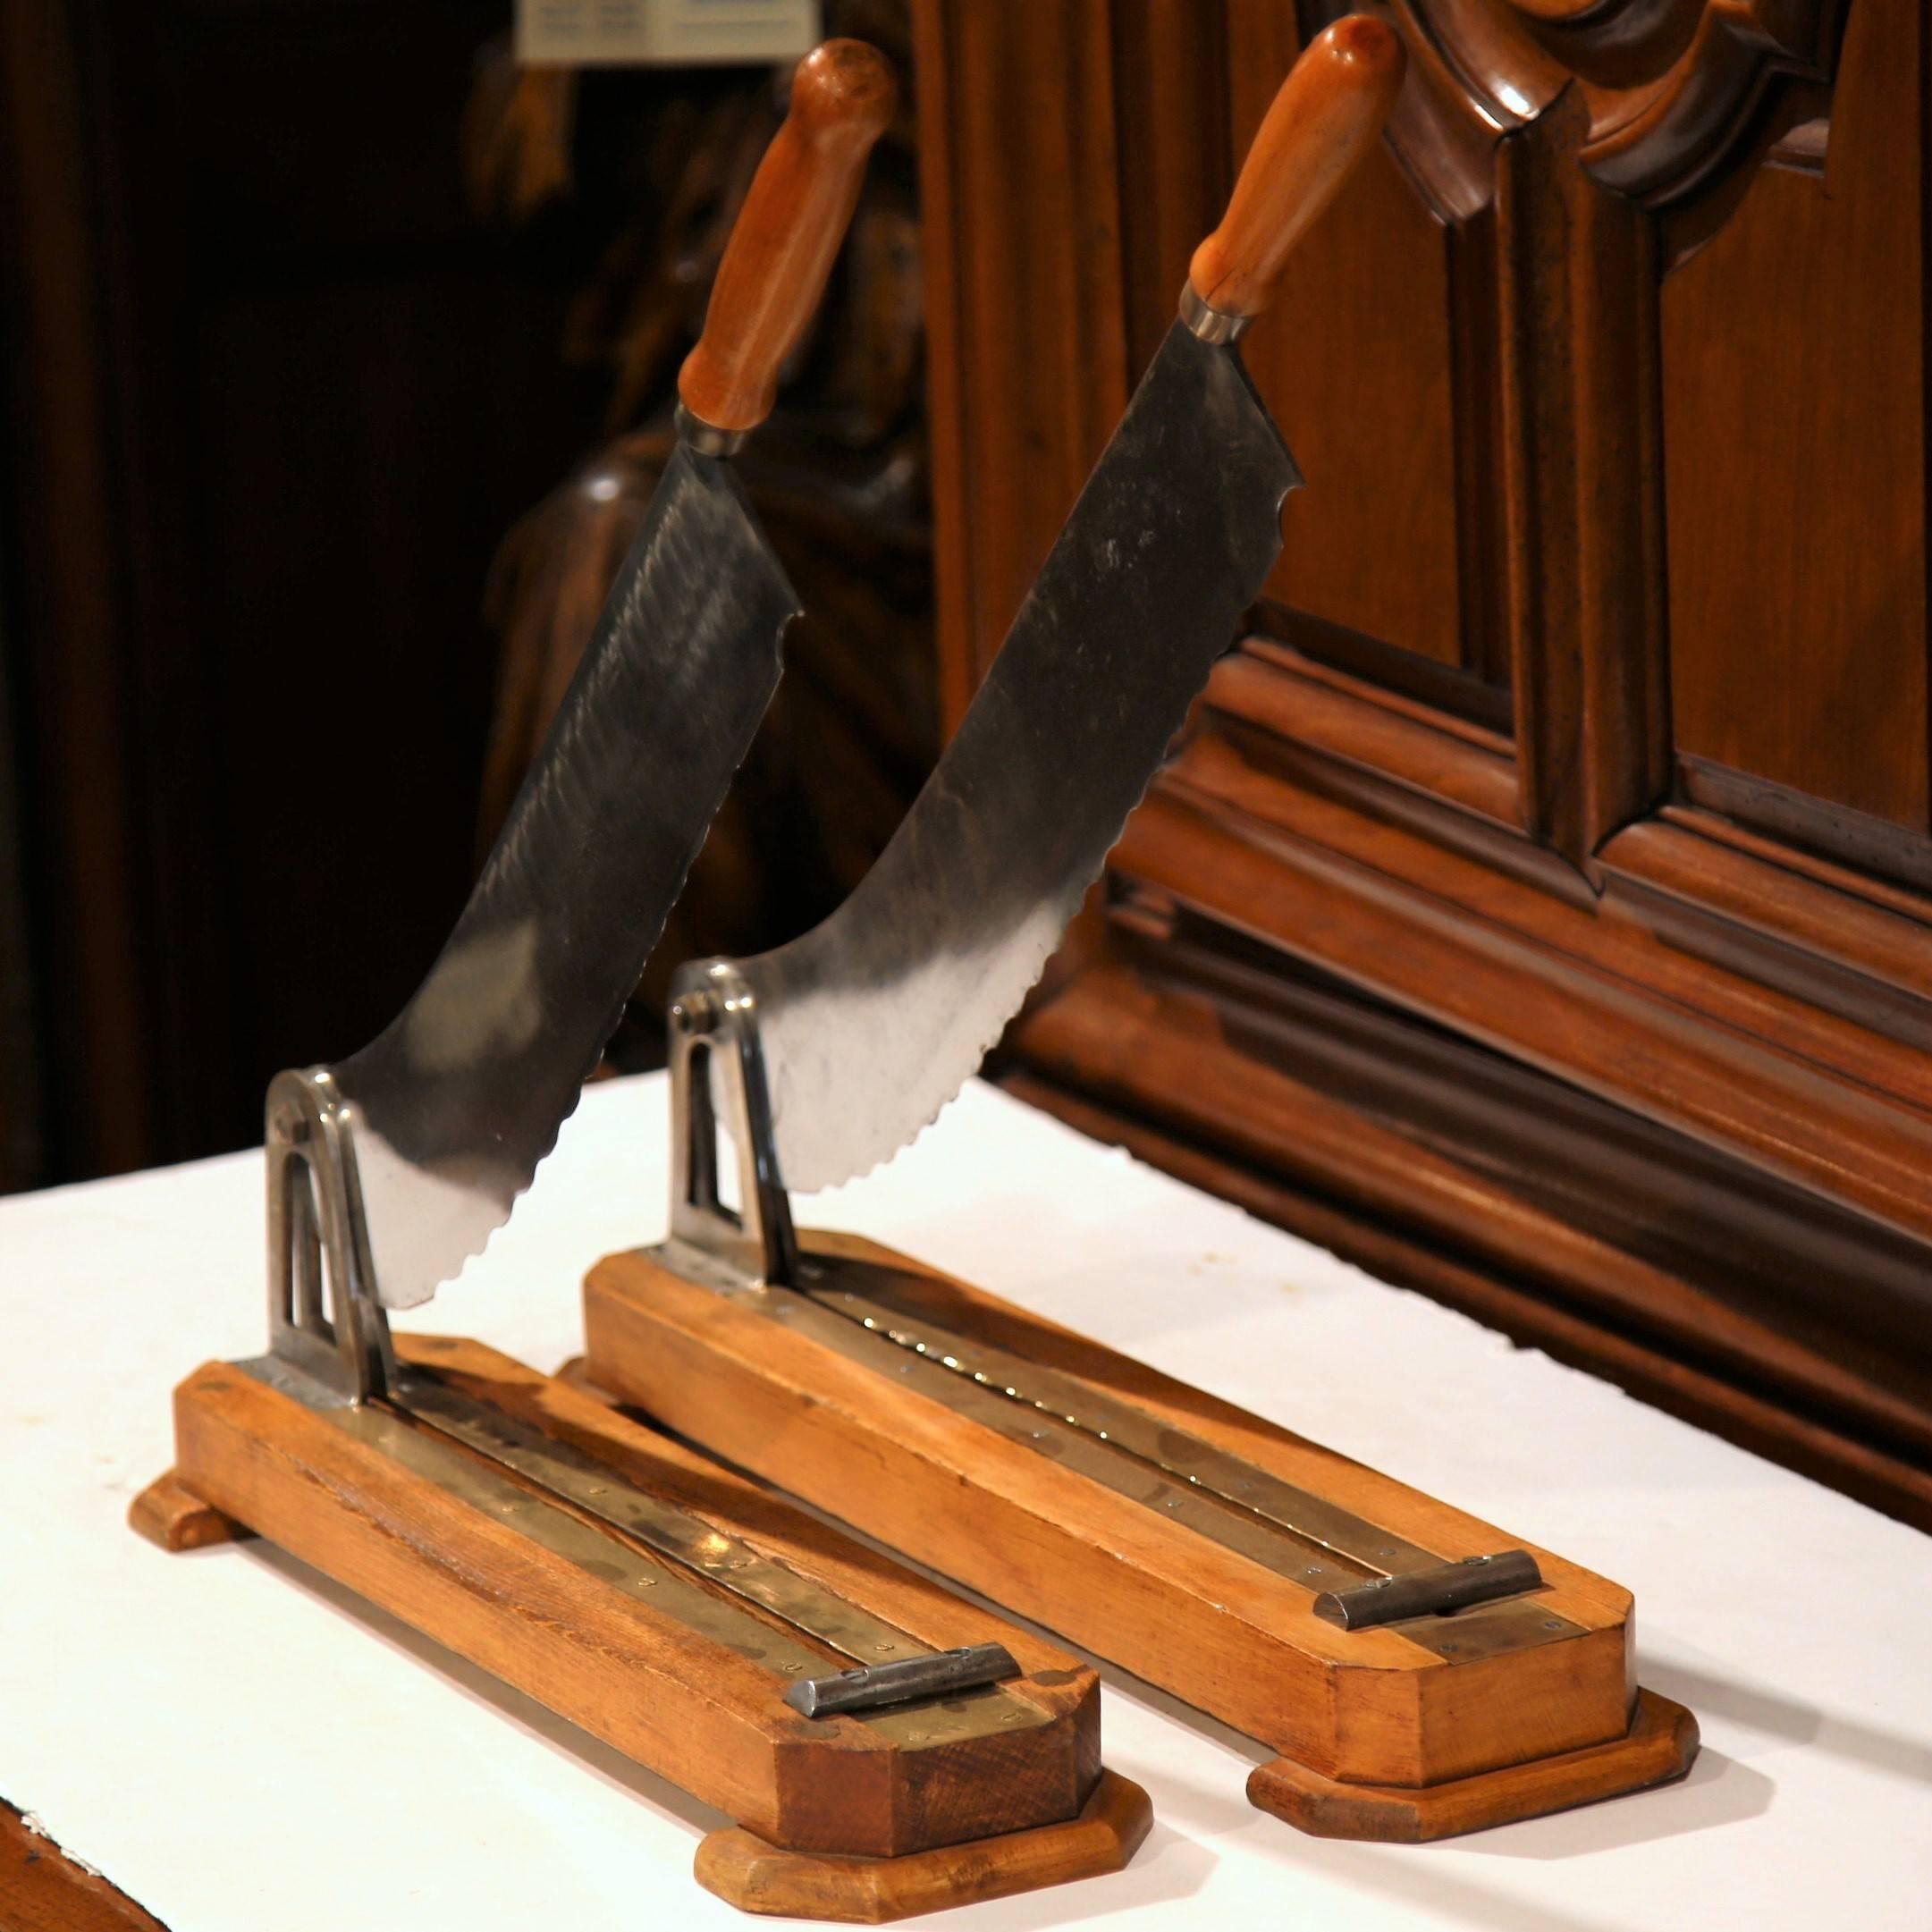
1794 368
1026 328
1369 292
1578 753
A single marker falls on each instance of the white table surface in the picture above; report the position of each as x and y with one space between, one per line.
244 1748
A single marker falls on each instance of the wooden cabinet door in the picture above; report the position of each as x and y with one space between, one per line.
1539 907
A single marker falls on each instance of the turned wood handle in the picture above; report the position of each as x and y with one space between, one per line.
781 248
1322 123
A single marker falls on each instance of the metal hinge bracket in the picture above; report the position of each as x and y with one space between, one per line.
716 1062
324 1317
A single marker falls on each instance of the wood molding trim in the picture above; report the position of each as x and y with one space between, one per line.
1852 943
1506 1162
1815 931
1191 1077
1602 1003
1756 1418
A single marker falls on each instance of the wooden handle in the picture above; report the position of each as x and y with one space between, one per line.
789 231
1322 123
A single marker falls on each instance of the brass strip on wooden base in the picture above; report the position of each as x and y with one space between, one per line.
1298 1535
688 1569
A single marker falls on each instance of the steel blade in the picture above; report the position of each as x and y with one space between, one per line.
873 1021
457 1101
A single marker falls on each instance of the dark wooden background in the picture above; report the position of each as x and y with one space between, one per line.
327 337
274 396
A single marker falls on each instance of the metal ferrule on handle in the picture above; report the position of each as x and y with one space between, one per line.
706 438
1214 326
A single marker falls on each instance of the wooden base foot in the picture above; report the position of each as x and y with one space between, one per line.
171 1515
1661 1747
756 1876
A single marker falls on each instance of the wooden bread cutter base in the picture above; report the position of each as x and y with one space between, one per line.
1174 1533
863 1817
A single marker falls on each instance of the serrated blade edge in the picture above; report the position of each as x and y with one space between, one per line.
873 1021
457 1103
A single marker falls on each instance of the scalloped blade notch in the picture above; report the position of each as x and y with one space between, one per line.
873 1021
457 1101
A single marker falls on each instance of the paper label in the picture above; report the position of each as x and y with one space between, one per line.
584 33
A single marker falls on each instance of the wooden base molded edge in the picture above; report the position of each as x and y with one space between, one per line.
172 1517
650 1683
1215 1628
1661 1746
45 1889
756 1876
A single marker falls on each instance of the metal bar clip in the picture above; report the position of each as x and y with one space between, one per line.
944 1674
1432 1593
